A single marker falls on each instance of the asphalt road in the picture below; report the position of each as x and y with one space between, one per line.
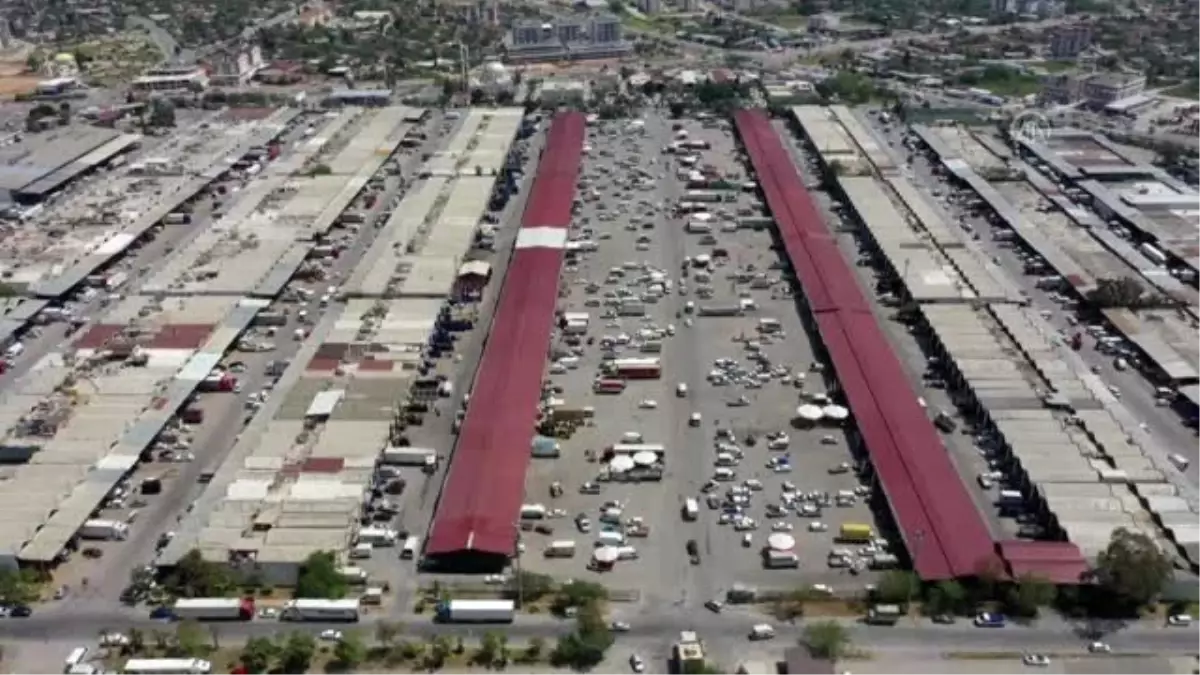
63 625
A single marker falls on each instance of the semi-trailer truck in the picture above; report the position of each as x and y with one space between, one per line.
476 611
214 609
313 609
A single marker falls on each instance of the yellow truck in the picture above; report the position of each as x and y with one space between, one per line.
856 532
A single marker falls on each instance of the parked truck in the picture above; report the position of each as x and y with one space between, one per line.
426 458
213 609
856 532
314 609
476 611
97 529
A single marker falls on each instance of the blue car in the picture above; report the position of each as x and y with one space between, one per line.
989 620
162 613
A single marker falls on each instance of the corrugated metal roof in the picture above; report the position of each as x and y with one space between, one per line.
486 481
945 534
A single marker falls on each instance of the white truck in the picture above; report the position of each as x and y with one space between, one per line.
377 536
104 530
476 611
564 548
426 458
213 609
314 609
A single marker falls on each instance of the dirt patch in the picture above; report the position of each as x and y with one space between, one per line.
11 85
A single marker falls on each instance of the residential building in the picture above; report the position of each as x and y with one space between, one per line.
234 67
690 6
1068 42
650 6
526 33
1040 8
606 29
823 22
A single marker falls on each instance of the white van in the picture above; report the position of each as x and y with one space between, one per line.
609 538
724 474
762 631
691 509
410 548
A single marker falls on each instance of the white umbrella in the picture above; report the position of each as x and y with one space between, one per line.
809 412
606 554
621 464
645 458
835 412
781 541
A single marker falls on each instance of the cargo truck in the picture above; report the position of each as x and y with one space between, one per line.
856 533
313 609
777 560
213 609
399 456
561 549
104 530
476 611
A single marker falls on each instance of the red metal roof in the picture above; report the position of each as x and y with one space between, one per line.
1060 562
376 365
481 500
323 465
181 336
945 534
98 335
553 192
319 364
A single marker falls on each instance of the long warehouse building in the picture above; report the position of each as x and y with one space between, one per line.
474 527
945 534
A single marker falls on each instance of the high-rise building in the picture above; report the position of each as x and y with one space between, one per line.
691 6
650 6
527 33
606 29
1069 41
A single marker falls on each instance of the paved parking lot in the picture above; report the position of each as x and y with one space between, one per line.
627 210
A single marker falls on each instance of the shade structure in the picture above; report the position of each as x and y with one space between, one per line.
606 554
621 464
835 412
809 412
781 541
645 458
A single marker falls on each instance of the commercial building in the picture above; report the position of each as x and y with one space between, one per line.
474 527
594 37
41 164
1095 90
171 78
234 67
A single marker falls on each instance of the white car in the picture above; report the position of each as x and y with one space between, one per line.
781 527
1099 648
636 663
268 613
114 640
1037 660
648 404
331 635
1179 620
619 627
818 526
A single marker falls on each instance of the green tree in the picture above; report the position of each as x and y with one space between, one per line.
1132 569
386 633
946 597
489 649
35 60
1122 292
438 652
320 578
18 587
259 653
533 586
898 587
826 639
535 648
297 653
584 647
350 651
1028 595
195 577
191 640
579 594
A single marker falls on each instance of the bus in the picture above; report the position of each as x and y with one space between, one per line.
167 667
